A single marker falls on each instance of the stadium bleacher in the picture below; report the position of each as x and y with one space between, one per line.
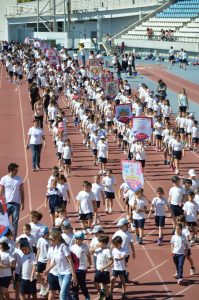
182 17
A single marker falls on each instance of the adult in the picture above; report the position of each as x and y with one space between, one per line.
36 139
83 55
11 187
39 112
161 89
65 266
183 101
33 94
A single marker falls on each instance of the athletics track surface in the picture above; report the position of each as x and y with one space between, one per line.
153 267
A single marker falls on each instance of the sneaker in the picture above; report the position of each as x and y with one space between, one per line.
102 295
177 172
192 241
159 242
84 231
175 275
140 241
165 162
110 210
192 271
180 281
89 231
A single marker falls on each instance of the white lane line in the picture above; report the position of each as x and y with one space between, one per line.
25 151
185 289
1 77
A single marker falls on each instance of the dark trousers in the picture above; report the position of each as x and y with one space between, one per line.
36 155
81 279
179 262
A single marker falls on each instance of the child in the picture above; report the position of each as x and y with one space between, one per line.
109 182
55 175
102 149
7 262
176 197
67 155
158 207
54 200
60 145
97 190
138 153
42 250
36 227
124 187
103 262
61 217
62 186
158 126
68 234
185 231
94 141
195 135
179 247
86 206
28 269
178 152
191 210
119 268
139 206
27 234
97 231
81 251
127 241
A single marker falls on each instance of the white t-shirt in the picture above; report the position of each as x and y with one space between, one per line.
81 251
30 238
67 152
103 257
68 238
37 230
108 183
86 202
124 187
61 259
27 263
139 204
42 246
119 265
178 146
191 210
97 190
179 244
102 149
12 188
63 188
6 258
176 194
36 135
126 240
195 132
17 254
51 255
159 206
60 145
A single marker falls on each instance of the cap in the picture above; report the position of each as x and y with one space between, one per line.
4 239
122 221
66 224
102 137
79 235
192 172
24 243
191 115
97 229
46 230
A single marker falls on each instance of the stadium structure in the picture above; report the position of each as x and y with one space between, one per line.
70 22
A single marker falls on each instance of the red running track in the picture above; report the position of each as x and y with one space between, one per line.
152 269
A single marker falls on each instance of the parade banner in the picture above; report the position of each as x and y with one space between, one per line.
4 221
95 72
123 112
107 76
94 62
111 89
141 128
54 60
45 45
132 174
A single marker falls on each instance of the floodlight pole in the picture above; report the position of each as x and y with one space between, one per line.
37 15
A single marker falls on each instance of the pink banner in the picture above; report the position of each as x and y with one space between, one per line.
4 221
141 128
132 174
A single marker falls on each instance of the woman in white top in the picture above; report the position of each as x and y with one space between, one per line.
36 139
183 101
64 263
109 182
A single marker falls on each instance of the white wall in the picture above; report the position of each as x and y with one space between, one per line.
3 20
61 38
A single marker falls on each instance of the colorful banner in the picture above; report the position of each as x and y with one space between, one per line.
107 76
54 60
132 174
141 128
112 89
94 62
95 72
123 112
45 45
4 221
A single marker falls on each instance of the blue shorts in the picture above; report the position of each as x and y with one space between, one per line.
53 282
117 273
85 217
159 221
102 277
54 204
41 267
177 210
109 195
66 161
139 223
28 287
103 160
5 281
